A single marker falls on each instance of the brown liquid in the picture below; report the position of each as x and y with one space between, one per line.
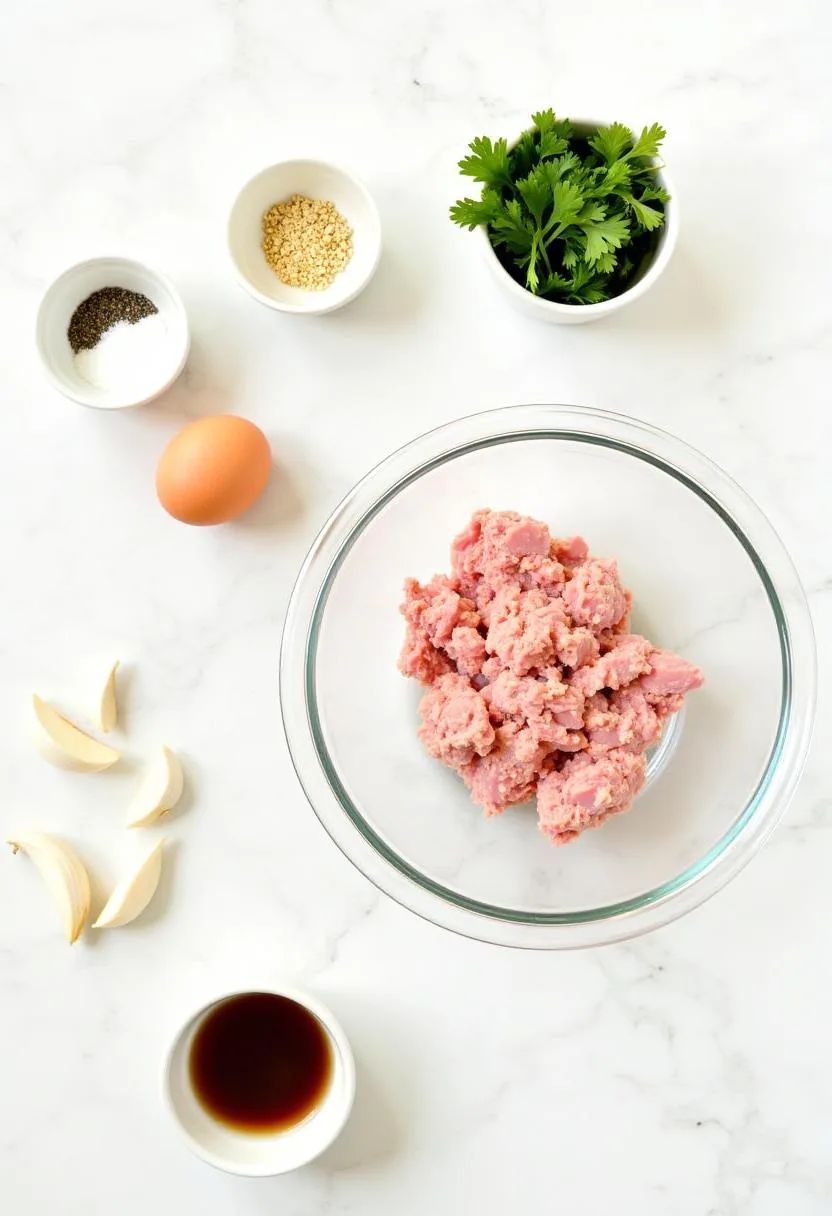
260 1062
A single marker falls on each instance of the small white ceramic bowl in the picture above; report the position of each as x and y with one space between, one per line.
73 287
260 1155
580 314
315 179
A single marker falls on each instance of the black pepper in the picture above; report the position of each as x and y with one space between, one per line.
104 309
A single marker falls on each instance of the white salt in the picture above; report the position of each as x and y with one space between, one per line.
133 359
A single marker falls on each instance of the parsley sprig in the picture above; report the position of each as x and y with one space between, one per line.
572 217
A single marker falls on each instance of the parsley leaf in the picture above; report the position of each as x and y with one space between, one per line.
603 236
572 218
567 201
488 162
546 123
655 192
590 293
586 287
554 283
571 255
606 263
648 142
551 145
615 175
523 156
470 212
649 217
563 166
536 190
590 213
611 142
511 228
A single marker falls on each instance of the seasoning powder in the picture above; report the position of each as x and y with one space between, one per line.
306 241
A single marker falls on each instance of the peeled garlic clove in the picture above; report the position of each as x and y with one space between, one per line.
65 744
132 895
107 706
64 875
160 789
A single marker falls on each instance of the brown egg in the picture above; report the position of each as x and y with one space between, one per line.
213 470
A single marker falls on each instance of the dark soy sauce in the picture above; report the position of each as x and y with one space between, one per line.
260 1063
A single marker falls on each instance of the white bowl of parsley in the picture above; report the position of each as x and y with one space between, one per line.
577 217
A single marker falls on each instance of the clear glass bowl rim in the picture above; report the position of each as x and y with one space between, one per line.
343 821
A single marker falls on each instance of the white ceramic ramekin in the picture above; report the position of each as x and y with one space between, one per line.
580 314
73 287
259 1155
315 179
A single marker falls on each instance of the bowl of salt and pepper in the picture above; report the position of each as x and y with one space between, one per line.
112 333
304 236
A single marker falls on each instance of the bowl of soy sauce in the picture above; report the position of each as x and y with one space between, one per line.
260 1082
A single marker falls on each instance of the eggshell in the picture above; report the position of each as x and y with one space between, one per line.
213 470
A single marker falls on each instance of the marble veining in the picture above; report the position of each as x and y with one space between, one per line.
685 1073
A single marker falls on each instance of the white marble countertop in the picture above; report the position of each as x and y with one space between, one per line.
688 1072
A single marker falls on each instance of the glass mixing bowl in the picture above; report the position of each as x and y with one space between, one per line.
710 579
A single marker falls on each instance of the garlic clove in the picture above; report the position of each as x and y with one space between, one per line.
64 875
65 744
159 791
107 715
135 891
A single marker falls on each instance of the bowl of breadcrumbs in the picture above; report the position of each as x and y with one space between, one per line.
304 236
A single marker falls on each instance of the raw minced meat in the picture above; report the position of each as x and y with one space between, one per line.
535 686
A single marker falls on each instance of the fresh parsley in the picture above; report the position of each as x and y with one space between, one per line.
572 217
